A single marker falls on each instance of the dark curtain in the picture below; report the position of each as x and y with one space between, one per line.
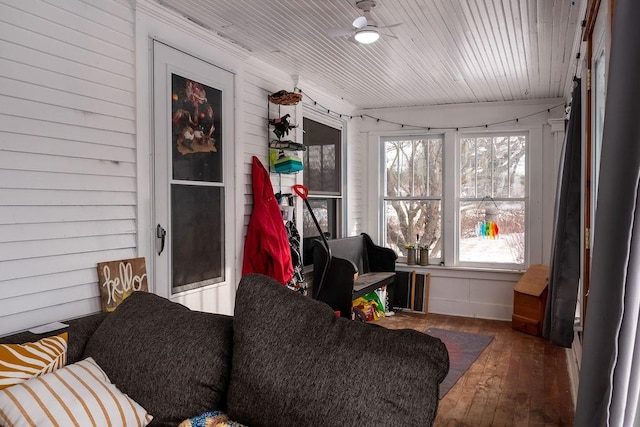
564 274
608 390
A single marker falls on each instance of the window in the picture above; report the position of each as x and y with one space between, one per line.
412 199
466 202
323 178
492 199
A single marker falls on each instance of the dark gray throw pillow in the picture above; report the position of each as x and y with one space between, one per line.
173 361
296 363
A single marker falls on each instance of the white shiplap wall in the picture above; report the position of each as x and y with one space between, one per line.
74 150
67 154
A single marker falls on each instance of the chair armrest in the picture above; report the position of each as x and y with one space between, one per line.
380 258
337 289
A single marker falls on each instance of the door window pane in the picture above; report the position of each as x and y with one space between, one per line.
197 224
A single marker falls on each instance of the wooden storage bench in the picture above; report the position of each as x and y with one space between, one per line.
530 300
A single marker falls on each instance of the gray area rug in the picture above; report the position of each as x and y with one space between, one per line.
464 348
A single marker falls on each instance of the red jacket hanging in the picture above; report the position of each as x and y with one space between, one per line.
266 249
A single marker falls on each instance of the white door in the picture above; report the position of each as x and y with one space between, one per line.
193 180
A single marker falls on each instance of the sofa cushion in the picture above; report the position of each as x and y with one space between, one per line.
296 363
80 330
173 361
21 362
77 394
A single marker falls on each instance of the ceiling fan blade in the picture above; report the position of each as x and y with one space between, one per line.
360 22
339 32
391 26
391 36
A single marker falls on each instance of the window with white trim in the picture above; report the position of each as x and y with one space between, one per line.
412 198
323 139
492 201
487 206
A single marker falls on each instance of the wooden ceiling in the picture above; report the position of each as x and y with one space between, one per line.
445 51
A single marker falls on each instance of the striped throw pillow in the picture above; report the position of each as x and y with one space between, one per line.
79 394
20 362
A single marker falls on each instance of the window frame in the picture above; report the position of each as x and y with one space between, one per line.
525 199
322 117
534 193
384 198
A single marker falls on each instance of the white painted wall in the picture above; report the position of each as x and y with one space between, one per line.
474 292
67 154
469 292
75 145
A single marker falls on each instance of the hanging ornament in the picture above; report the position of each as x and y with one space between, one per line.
488 228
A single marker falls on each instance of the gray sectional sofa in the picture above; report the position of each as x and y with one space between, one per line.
283 360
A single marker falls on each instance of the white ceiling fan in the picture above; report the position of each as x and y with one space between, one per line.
364 28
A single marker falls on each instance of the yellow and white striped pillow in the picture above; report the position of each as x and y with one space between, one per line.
75 395
20 362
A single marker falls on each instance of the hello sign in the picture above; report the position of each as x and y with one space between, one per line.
119 279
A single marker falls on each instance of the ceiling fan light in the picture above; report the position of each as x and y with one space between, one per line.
367 35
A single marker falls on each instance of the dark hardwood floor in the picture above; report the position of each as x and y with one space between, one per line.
518 380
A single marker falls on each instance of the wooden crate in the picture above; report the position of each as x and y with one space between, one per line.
530 300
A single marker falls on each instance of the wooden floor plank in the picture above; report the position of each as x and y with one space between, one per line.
519 380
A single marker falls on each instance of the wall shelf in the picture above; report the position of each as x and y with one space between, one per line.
284 150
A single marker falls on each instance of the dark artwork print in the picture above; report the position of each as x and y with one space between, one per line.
196 130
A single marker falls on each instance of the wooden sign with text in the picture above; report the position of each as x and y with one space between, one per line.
119 279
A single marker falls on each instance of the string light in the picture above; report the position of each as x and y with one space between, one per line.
428 128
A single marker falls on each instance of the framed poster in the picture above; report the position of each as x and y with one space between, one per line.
119 279
196 129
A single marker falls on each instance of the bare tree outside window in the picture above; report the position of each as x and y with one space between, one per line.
413 193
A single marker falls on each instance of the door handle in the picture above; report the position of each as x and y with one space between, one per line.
161 234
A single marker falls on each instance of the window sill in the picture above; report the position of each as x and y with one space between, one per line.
463 272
